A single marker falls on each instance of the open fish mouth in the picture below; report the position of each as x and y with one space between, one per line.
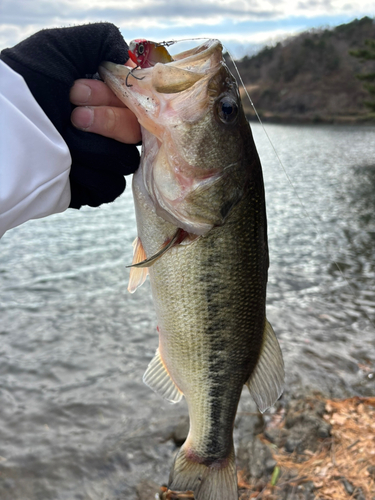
147 91
186 69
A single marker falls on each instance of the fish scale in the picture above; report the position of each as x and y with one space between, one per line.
212 335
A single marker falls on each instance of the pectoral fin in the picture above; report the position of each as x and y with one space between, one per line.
177 238
266 383
159 380
137 275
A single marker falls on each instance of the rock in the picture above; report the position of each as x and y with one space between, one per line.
371 471
359 495
181 431
269 465
348 486
277 436
356 493
147 490
261 462
304 426
309 486
248 426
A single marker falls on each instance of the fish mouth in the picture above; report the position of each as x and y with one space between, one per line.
183 72
143 89
141 86
147 90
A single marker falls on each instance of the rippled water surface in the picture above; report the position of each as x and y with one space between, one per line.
76 421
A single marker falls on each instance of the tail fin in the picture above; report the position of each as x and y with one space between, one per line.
217 481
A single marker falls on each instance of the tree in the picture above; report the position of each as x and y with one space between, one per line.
367 54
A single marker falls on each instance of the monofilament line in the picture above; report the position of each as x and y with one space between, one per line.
271 143
292 185
281 163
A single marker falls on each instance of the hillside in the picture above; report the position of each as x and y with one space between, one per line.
310 77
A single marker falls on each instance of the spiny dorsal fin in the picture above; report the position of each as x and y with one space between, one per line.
266 383
159 380
137 275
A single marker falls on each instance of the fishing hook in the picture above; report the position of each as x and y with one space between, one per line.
165 44
131 72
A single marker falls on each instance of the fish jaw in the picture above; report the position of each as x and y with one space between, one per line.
195 173
140 88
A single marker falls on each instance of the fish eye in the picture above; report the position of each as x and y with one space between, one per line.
227 109
141 49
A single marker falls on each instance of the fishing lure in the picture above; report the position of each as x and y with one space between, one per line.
146 54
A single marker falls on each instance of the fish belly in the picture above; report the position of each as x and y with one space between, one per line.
209 297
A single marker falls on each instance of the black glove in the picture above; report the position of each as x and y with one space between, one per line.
50 61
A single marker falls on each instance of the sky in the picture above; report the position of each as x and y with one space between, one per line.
243 26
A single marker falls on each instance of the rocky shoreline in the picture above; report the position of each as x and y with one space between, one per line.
308 448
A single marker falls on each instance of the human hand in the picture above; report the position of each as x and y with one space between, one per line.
100 111
50 61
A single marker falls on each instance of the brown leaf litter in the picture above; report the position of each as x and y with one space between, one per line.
341 468
338 467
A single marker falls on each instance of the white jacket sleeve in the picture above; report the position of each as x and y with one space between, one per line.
34 159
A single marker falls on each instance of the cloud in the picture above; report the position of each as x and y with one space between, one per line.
163 11
160 12
238 21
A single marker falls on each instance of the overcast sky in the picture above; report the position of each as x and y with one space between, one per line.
243 26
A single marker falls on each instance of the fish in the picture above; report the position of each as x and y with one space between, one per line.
202 240
146 53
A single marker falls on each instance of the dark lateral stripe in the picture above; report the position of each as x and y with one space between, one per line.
216 447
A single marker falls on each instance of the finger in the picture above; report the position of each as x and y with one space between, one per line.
94 92
117 123
87 92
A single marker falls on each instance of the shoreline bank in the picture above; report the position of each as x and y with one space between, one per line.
309 448
311 120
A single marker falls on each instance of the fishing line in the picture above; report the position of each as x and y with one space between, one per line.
316 227
172 42
307 214
273 147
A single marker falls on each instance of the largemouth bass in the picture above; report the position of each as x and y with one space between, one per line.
202 238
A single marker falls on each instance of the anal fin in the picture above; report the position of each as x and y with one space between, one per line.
137 275
266 383
159 380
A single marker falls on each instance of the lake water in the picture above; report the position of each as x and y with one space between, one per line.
76 421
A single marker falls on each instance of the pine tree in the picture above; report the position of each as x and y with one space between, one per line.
367 54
